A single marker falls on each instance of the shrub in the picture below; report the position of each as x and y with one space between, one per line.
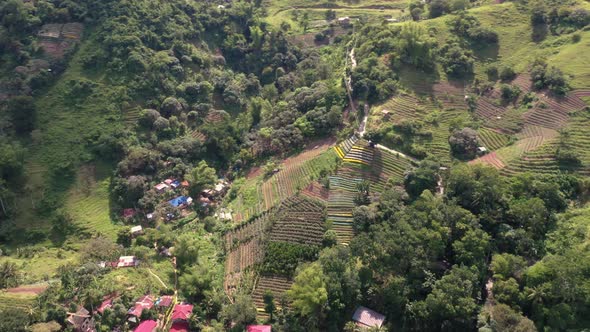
492 72
510 92
507 74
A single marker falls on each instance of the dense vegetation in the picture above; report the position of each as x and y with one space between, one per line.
307 115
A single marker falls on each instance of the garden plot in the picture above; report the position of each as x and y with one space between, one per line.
299 220
317 191
244 247
276 285
492 139
57 39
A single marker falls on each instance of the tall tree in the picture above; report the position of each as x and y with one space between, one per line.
200 177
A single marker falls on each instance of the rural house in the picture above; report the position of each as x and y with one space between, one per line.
144 302
367 318
180 315
146 326
81 321
128 261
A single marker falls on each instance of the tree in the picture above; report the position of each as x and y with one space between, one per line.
452 299
363 196
201 177
9 275
437 8
424 177
330 14
362 218
464 143
308 293
269 303
241 313
23 113
457 61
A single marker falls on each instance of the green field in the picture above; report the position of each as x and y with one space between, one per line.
283 11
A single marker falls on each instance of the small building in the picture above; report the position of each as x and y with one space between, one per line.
161 187
482 149
367 318
185 184
259 328
143 303
204 201
81 321
150 216
107 303
180 201
128 213
164 302
136 230
146 326
386 114
128 261
180 316
344 20
175 184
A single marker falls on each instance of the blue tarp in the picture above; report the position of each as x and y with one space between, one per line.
178 201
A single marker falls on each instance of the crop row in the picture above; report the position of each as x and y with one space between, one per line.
492 139
487 110
275 284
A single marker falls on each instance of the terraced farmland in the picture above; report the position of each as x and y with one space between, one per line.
16 300
340 205
399 108
297 173
492 139
544 160
299 220
317 191
276 285
244 247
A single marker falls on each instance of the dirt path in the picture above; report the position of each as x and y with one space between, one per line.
28 289
157 277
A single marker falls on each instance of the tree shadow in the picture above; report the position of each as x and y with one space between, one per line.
539 32
487 52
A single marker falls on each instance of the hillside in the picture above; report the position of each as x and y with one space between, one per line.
207 166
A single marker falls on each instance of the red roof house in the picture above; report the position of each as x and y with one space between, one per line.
179 327
144 302
258 328
146 326
366 317
106 304
164 301
182 312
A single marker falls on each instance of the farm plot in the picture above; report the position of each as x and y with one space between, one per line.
276 285
450 94
486 109
492 139
340 205
244 247
317 191
57 39
299 220
399 108
553 112
296 173
389 167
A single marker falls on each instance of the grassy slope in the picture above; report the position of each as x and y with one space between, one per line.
282 10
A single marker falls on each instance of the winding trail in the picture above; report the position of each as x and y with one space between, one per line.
157 277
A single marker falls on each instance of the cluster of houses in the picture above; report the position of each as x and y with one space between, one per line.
179 315
181 201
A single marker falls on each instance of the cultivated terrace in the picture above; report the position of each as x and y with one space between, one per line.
294 165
